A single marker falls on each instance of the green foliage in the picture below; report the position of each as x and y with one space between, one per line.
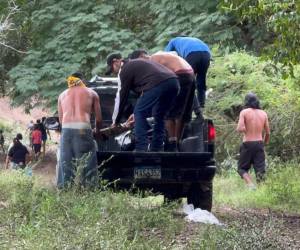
280 191
282 20
78 35
231 78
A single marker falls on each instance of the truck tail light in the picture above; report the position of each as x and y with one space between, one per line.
211 132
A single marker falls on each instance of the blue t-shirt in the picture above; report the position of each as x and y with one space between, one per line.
185 45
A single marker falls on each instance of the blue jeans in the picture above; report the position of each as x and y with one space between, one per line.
77 149
154 102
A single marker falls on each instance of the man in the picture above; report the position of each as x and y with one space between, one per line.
19 137
75 106
44 132
254 124
18 155
36 138
198 55
180 112
157 87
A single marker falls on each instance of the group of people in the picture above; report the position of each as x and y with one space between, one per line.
165 83
18 155
38 136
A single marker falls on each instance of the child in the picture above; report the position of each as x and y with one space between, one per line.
2 141
36 141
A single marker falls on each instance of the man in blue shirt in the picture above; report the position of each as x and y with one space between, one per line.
198 55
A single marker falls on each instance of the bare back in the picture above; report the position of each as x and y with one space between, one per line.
76 104
253 123
171 61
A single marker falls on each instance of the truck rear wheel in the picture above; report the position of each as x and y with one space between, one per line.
200 195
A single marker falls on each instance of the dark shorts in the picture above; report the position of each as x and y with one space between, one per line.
252 152
44 137
182 108
37 148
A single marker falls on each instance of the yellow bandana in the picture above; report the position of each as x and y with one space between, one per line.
74 81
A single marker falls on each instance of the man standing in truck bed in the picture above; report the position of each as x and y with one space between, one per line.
253 123
75 106
181 111
197 54
157 87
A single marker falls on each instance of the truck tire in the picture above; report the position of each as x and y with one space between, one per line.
200 195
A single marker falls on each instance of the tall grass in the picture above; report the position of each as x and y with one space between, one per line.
35 218
280 191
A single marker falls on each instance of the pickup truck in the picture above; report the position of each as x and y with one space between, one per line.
188 173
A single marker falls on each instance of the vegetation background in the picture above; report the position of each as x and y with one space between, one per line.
256 47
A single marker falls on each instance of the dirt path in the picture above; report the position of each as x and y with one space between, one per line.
17 115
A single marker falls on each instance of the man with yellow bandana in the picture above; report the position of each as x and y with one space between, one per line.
75 106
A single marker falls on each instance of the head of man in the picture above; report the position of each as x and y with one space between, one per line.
139 53
114 63
251 101
19 136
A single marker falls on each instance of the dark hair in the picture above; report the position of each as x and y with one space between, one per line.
78 75
251 101
137 53
109 61
43 118
19 136
38 121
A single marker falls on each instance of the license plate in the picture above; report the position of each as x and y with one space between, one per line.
147 172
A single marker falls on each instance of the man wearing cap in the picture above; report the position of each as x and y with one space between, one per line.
75 106
198 55
254 125
157 87
180 112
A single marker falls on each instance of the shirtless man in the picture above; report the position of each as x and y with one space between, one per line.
180 113
254 124
75 106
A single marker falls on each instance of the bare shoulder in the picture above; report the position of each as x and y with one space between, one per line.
264 113
93 93
244 112
63 94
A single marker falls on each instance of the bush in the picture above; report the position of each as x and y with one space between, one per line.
280 191
231 77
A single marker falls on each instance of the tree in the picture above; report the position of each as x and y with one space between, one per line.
282 20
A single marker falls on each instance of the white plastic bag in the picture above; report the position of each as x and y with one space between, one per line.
199 215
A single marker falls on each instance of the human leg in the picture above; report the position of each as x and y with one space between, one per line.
65 169
142 111
244 164
200 61
259 162
166 95
85 156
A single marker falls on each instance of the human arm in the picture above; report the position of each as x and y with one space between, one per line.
241 123
130 121
97 111
59 108
8 157
170 46
267 130
126 78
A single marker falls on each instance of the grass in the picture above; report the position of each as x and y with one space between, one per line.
280 191
33 217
